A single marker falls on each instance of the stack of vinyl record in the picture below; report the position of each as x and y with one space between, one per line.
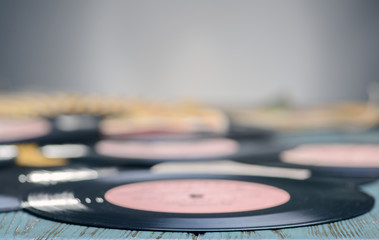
141 165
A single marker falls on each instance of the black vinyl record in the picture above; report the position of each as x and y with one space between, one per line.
59 129
358 175
147 153
234 130
197 203
350 161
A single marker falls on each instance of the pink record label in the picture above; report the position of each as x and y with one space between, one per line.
197 196
18 129
168 150
334 155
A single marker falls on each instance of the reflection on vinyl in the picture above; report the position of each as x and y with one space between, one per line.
197 202
8 154
17 181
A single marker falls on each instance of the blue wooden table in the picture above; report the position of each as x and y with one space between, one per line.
22 225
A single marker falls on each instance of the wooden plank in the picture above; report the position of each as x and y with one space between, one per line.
22 225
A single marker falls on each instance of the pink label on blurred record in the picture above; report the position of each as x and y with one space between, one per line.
19 129
334 155
168 149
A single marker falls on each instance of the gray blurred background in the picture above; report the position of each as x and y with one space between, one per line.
216 51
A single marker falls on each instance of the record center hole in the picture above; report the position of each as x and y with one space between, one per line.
196 195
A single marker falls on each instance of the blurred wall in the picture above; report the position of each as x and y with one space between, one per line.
219 51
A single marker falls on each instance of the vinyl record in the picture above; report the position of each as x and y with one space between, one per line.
60 129
197 203
234 131
147 153
354 161
148 129
16 181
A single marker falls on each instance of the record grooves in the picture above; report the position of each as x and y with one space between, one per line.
197 203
